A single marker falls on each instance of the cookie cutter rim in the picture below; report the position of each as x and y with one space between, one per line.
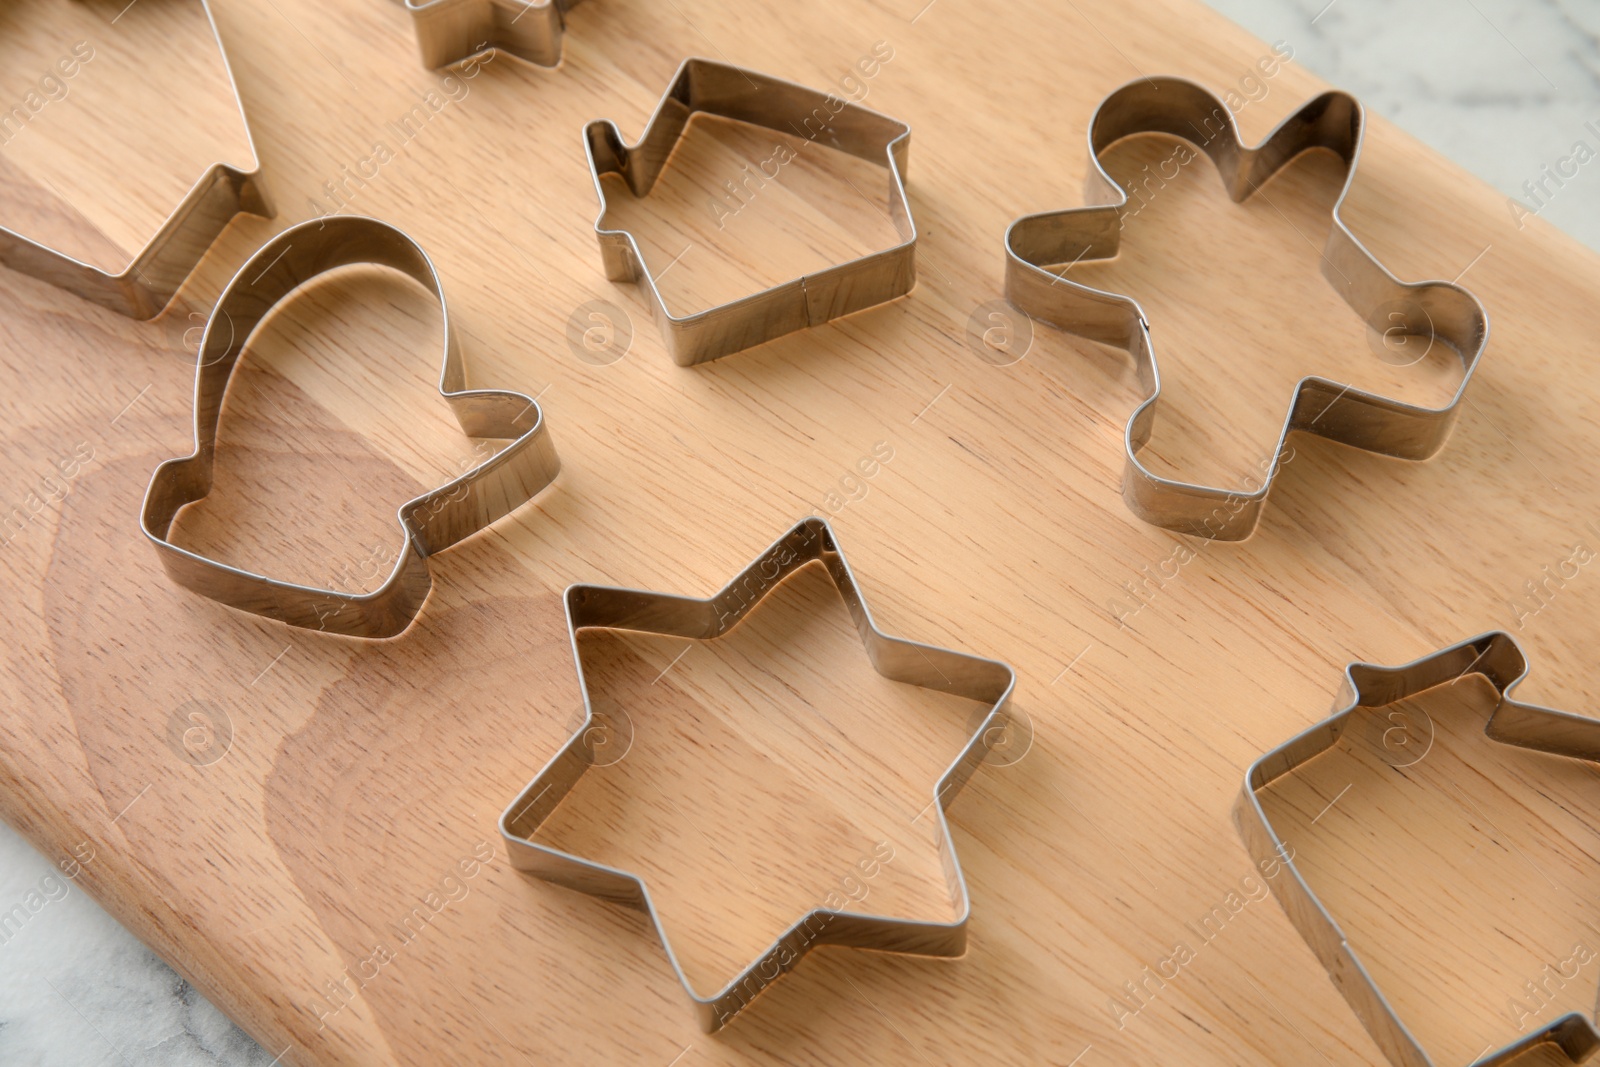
429 523
1498 658
147 285
1365 420
450 31
812 540
710 87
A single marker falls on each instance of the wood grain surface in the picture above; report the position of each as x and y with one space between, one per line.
304 826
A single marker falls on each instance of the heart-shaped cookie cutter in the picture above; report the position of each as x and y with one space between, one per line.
431 522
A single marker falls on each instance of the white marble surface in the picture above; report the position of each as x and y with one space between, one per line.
1504 87
77 990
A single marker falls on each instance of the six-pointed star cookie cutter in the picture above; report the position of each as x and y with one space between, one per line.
812 540
148 283
449 31
430 523
712 88
1500 661
1434 310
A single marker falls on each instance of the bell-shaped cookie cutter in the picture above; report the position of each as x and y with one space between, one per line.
721 89
449 31
985 680
147 284
430 523
1442 311
1497 657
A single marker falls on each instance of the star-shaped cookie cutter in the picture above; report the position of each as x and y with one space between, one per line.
1497 657
430 523
449 31
1435 310
144 288
812 540
713 88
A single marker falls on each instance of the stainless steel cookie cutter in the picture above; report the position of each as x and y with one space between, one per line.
812 540
1500 661
148 283
430 523
1441 311
449 31
713 88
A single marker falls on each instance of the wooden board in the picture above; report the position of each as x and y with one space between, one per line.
344 799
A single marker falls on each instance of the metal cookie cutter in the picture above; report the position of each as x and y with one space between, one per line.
431 523
148 283
449 31
704 85
1436 310
1500 661
974 677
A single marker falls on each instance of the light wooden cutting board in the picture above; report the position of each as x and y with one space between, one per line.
344 786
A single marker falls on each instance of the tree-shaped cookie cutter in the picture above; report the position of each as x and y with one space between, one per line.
713 88
985 680
1438 311
1497 657
149 282
430 523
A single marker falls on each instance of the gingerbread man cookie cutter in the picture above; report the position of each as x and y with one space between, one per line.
1436 310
